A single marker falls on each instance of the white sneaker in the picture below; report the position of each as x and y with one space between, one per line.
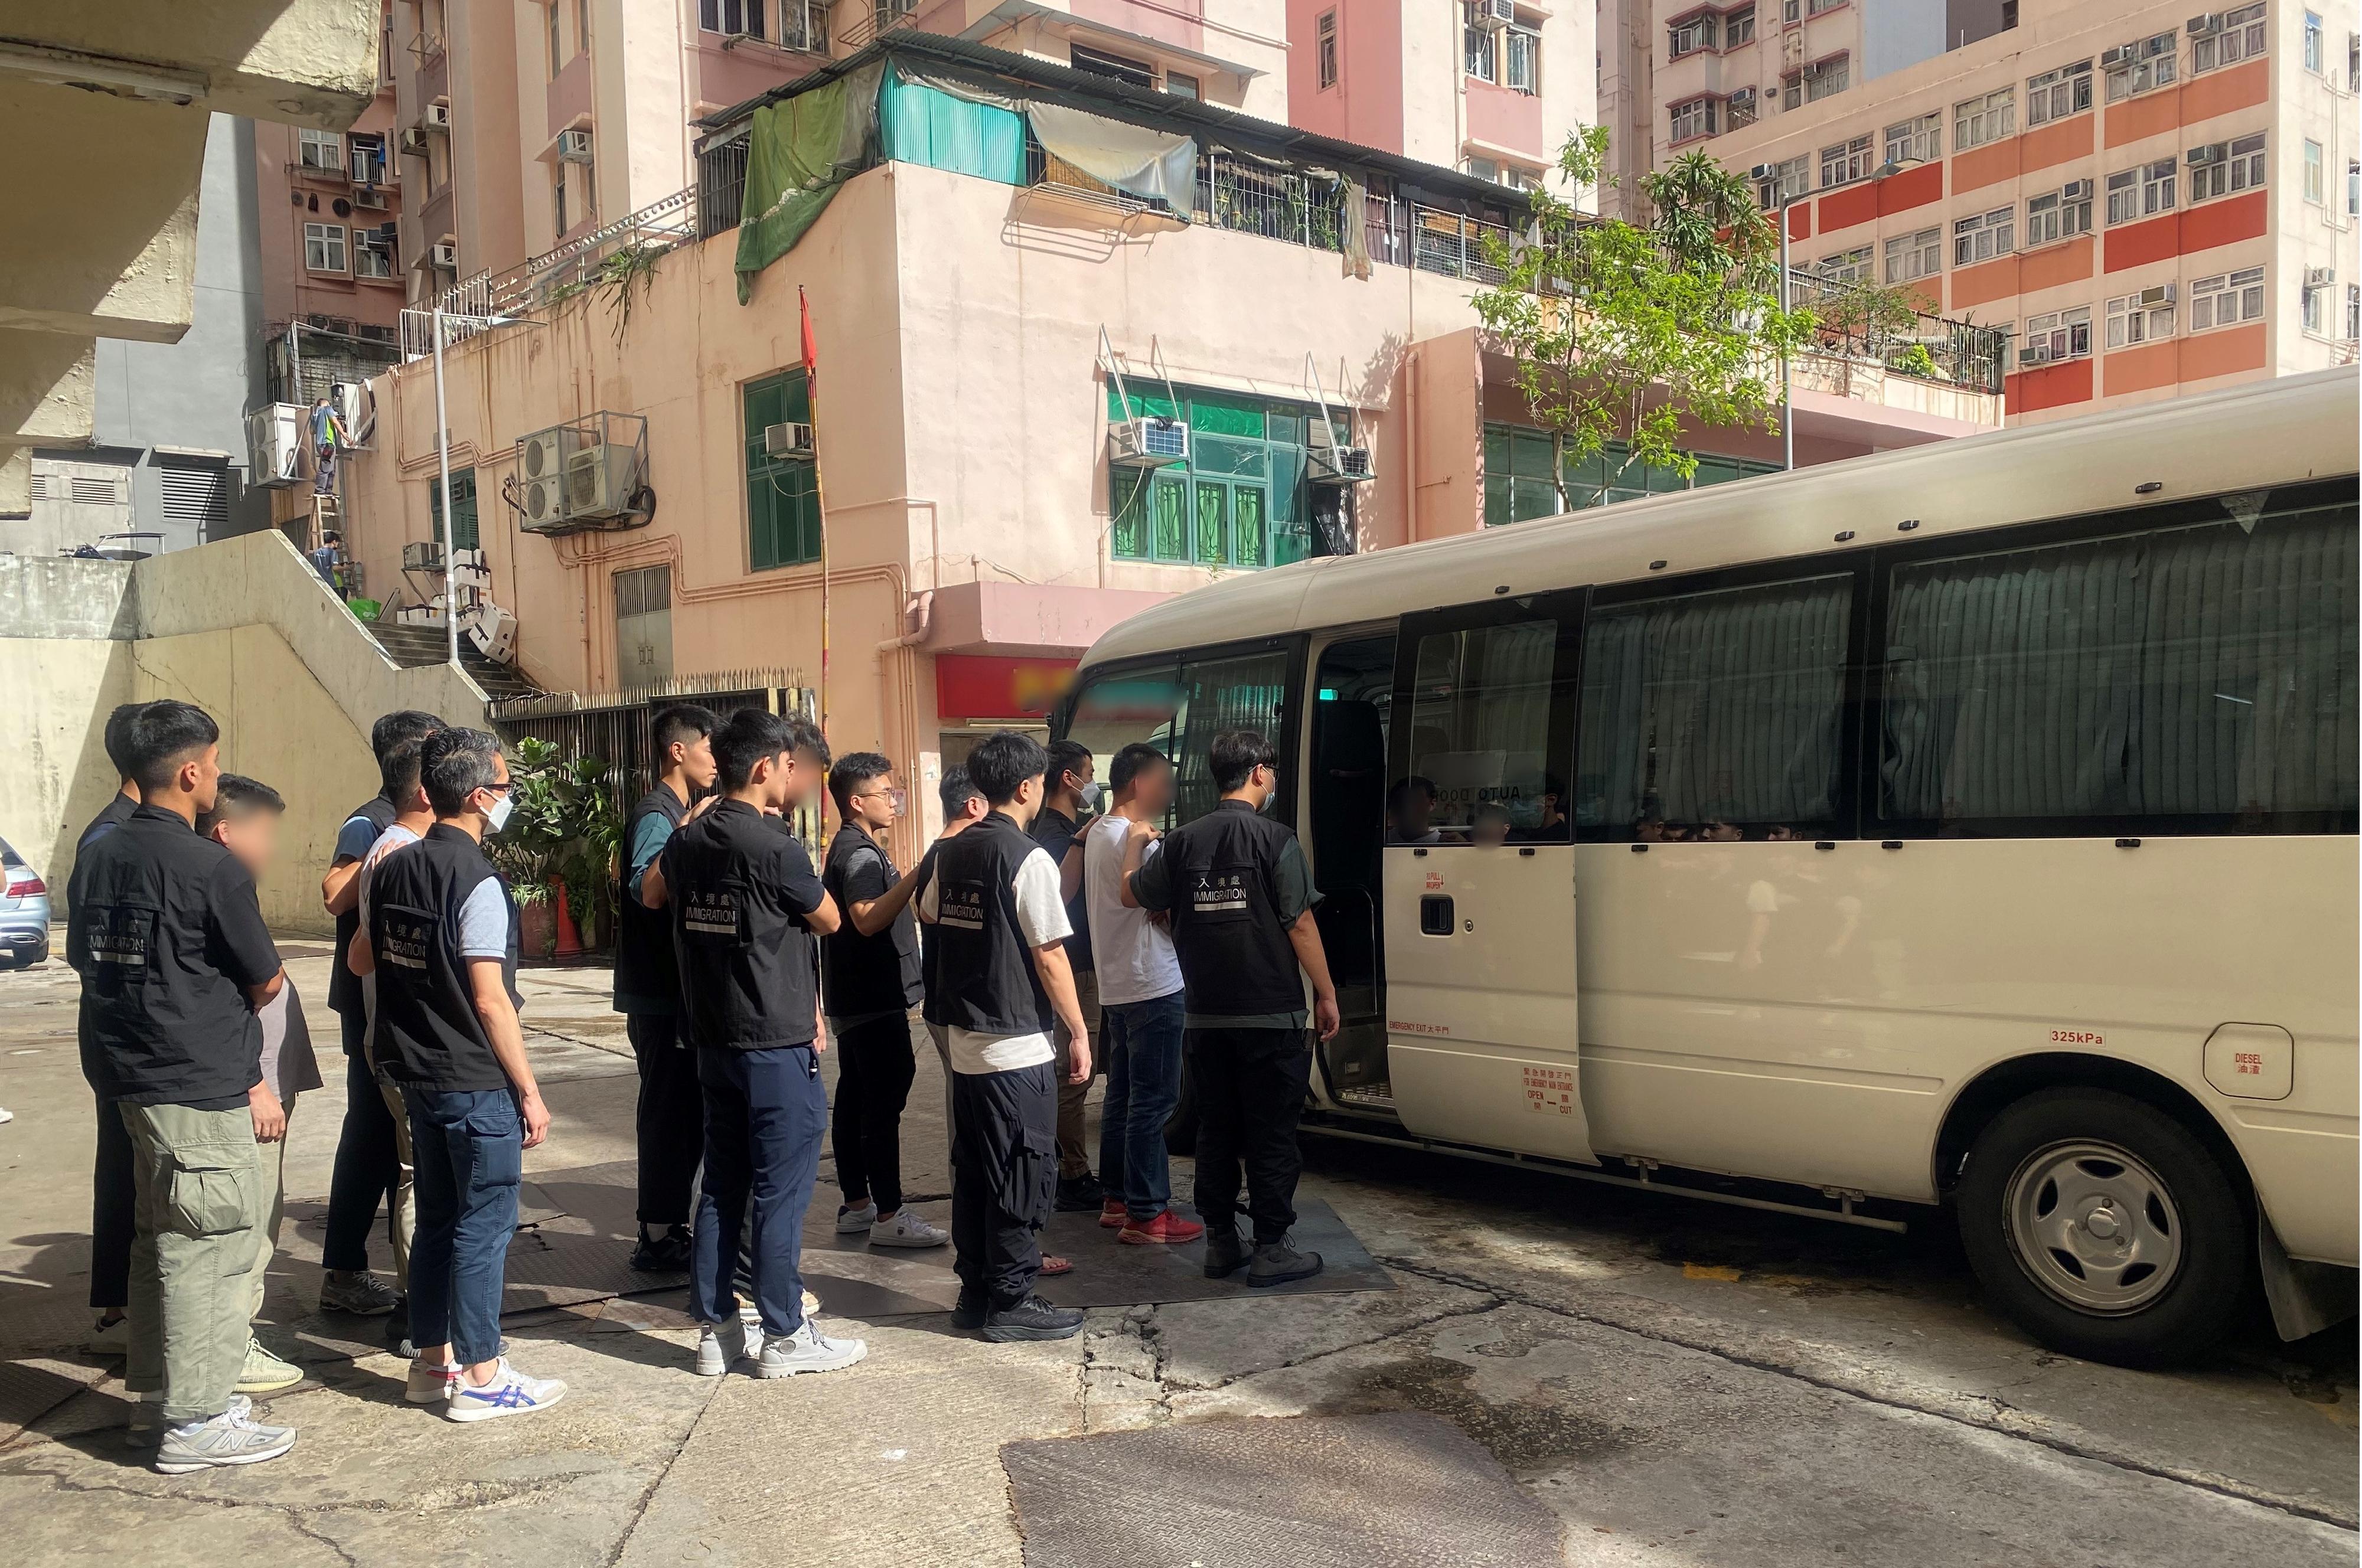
854 1221
752 1314
430 1385
719 1344
806 1350
265 1373
108 1339
509 1393
231 1438
907 1230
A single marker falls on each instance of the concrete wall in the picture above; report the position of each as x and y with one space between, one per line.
243 629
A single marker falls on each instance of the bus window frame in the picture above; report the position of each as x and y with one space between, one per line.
1413 626
1288 742
2293 496
1847 807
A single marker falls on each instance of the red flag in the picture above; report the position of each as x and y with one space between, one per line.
811 353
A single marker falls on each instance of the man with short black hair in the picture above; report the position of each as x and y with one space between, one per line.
245 821
1069 792
441 941
368 1166
869 972
669 1122
745 910
110 1176
994 902
175 961
1240 898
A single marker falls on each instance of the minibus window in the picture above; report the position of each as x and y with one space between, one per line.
1487 707
1715 715
1233 691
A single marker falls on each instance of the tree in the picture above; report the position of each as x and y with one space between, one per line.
1619 332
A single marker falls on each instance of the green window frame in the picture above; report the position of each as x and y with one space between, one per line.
783 518
1518 476
1237 503
464 536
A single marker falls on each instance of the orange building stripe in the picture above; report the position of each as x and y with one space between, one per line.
1986 165
2140 368
2151 114
2060 141
2137 244
2053 386
2223 222
1994 280
1855 204
2224 353
1911 188
2222 92
2054 264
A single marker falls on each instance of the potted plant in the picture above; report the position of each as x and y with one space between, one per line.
559 849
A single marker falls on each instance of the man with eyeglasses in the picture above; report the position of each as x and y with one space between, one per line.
869 981
1240 899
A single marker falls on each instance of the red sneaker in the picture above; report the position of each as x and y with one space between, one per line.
1167 1230
1113 1215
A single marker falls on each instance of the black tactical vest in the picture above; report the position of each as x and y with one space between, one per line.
865 974
428 1034
645 970
984 976
1234 953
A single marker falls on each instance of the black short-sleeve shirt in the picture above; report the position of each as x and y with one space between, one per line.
738 889
168 936
1055 832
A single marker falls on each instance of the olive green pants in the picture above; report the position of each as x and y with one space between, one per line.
198 1214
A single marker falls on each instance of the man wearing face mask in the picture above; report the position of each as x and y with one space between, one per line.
1070 794
1241 896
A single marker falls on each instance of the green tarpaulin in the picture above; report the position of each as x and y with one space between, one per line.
798 153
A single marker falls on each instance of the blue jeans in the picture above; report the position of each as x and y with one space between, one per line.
765 1117
469 1149
367 1161
1142 1045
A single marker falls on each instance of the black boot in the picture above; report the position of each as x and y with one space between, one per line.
1276 1262
667 1254
1032 1318
1078 1193
1225 1254
972 1308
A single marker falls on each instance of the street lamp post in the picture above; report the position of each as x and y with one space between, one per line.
443 467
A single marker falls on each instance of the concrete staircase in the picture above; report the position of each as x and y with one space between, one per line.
415 647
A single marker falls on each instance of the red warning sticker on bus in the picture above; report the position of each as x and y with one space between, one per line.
1550 1092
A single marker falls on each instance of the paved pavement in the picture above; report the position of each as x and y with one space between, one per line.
1678 1384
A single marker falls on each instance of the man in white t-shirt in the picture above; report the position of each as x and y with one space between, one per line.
999 925
1139 1010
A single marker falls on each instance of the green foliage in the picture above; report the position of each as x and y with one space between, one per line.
1622 333
632 267
1870 311
564 828
1914 361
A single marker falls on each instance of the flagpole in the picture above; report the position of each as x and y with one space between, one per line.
819 492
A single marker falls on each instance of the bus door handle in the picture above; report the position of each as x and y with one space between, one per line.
1435 915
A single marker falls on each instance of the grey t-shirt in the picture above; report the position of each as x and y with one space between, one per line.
289 1065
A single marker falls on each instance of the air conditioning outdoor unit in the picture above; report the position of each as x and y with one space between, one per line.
2075 191
2123 54
541 475
2037 355
2199 157
423 556
2320 277
599 480
1492 16
439 116
370 198
1339 465
445 255
790 440
274 444
1149 442
413 142
574 146
2204 27
2161 294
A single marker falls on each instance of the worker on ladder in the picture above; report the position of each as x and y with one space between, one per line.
328 436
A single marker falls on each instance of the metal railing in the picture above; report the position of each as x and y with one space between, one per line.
1277 204
1857 322
1452 244
721 187
879 17
554 274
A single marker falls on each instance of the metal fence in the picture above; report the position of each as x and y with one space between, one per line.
1858 323
1249 198
614 726
473 303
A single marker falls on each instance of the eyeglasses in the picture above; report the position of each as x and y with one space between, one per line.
503 787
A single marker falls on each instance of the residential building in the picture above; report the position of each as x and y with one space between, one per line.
999 335
2152 203
1491 89
82 96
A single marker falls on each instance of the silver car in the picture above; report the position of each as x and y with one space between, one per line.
24 910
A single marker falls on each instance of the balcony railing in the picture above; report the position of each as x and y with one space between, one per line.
551 276
1855 324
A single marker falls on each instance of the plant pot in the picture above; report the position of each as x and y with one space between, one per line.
537 928
569 939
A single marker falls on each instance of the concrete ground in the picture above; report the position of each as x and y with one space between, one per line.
1679 1383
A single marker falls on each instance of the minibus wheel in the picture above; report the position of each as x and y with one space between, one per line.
2104 1227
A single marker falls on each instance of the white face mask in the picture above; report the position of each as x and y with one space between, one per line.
1090 796
497 816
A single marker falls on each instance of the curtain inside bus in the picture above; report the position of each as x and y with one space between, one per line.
2208 670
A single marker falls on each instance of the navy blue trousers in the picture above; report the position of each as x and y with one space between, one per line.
765 1117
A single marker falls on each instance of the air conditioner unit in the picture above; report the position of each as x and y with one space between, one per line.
445 256
2199 157
574 146
439 116
1492 16
2204 27
789 440
1763 172
541 475
423 556
2320 277
2161 294
2037 355
1148 443
1339 465
599 480
2123 54
414 142
2076 191
274 444
370 198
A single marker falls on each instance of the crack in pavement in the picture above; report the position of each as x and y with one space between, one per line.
1309 1357
648 1493
304 1529
2204 1481
467 1497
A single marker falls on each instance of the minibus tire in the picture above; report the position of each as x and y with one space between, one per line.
2062 1139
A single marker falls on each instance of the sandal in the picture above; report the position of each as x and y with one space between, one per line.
1053 1265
